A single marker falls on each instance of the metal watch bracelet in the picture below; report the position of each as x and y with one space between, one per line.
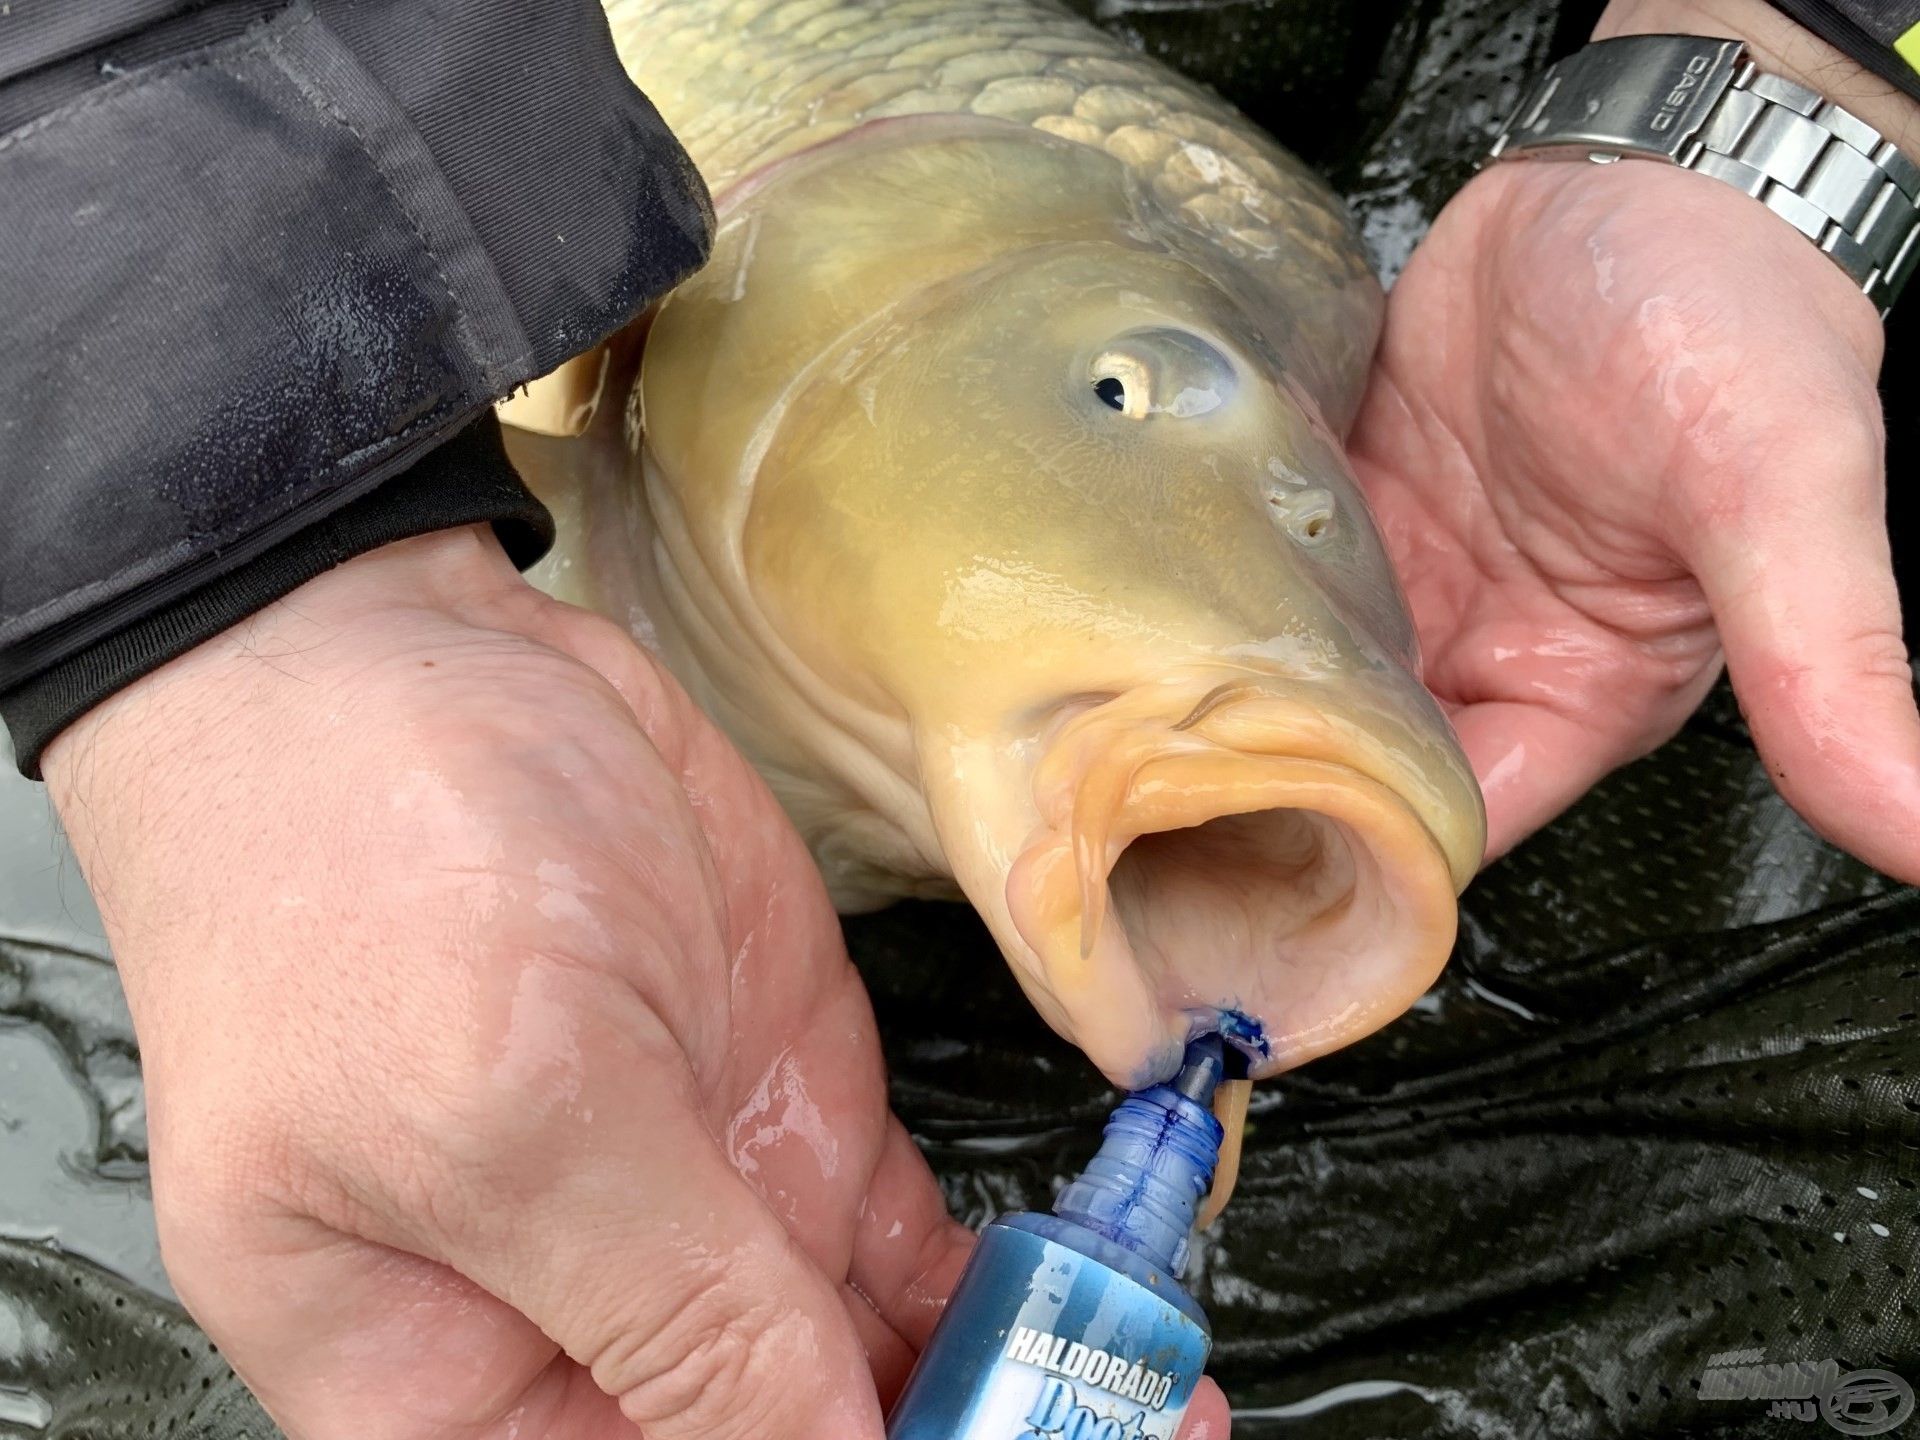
1703 105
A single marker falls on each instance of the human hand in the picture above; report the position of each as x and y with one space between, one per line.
506 1071
1623 420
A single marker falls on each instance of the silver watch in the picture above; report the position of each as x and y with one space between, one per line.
1703 105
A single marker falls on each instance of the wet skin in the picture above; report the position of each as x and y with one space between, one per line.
987 508
1611 454
511 1078
987 488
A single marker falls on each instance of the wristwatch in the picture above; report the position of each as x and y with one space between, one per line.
1700 103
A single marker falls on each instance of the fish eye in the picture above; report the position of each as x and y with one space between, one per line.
1160 371
1123 382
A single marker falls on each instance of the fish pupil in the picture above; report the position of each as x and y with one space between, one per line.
1112 392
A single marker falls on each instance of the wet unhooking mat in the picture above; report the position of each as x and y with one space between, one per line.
1663 1111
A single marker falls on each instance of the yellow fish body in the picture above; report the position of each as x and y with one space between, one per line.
987 488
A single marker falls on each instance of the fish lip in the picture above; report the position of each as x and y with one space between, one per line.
1259 713
1296 779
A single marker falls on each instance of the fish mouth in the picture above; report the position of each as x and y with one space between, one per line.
1260 856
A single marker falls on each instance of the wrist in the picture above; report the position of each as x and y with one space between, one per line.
298 650
1782 47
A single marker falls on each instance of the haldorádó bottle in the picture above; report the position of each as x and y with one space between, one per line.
1074 1326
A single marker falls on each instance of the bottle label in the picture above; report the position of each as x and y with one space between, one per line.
1041 1342
1082 1393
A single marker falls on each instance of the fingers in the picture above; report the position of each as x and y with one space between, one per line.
637 1253
638 1248
653 1264
570 1173
1567 705
341 1338
1207 1417
1532 763
907 1254
1530 766
1797 568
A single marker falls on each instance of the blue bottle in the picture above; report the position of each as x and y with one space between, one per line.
1074 1326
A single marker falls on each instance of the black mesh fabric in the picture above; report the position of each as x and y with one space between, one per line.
1662 1107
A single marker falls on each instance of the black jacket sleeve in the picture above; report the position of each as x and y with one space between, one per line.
263 268
1883 35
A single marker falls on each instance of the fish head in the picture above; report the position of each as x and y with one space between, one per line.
1006 523
1072 516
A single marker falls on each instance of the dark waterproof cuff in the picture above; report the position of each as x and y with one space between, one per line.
466 481
246 282
1883 35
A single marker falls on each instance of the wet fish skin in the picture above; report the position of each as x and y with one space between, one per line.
745 83
987 488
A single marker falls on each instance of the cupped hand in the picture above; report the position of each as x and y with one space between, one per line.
1623 422
507 1074
506 1070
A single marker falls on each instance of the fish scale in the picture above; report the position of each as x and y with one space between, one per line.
747 83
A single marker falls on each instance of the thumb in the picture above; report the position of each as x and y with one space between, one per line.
1799 574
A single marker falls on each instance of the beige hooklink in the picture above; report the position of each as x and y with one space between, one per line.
1230 1109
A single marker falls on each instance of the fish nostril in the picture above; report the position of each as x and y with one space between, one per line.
1308 515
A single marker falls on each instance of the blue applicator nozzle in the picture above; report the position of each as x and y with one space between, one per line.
1155 1164
1202 1069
